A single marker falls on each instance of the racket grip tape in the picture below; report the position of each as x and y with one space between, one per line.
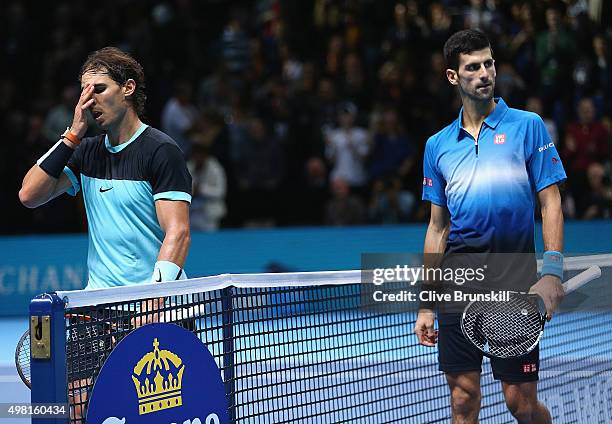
581 279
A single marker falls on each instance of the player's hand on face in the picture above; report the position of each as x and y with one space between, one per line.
550 289
79 122
424 328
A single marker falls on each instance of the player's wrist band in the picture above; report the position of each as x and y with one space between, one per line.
54 161
166 271
68 135
552 264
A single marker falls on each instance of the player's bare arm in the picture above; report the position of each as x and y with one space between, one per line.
435 243
38 187
173 217
549 287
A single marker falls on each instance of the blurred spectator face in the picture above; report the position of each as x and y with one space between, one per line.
70 96
437 64
257 129
412 8
595 175
110 102
327 90
440 19
534 104
335 44
389 73
352 64
400 14
340 188
586 111
183 92
552 19
347 114
599 46
389 121
315 171
475 75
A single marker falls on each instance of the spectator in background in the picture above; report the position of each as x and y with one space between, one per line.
179 116
346 149
354 85
344 208
478 16
215 91
555 49
509 85
209 189
60 116
259 171
599 199
586 142
534 104
522 41
391 153
389 203
602 77
235 44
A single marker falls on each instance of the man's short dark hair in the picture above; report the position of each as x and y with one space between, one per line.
120 67
463 42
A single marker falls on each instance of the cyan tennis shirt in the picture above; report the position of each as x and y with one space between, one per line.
489 185
120 186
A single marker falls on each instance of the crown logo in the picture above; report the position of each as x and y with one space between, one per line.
158 378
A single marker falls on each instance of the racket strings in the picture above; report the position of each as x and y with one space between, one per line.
503 329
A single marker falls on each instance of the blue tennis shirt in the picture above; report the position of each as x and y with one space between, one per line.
490 187
120 185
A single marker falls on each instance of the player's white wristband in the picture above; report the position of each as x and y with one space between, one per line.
166 271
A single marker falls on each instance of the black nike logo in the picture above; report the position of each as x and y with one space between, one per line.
102 190
158 278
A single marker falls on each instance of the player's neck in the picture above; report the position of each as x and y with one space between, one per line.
475 112
125 129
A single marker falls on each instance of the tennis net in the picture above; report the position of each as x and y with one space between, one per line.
316 348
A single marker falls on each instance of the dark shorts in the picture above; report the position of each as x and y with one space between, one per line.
456 354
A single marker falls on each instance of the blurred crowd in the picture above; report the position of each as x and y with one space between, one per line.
306 112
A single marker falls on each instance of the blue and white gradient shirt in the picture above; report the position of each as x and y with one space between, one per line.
490 187
120 185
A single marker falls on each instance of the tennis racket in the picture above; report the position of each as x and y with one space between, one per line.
87 342
513 328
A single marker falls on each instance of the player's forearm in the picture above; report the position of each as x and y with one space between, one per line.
37 188
175 245
435 244
552 225
435 239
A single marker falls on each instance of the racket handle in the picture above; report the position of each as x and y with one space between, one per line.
581 279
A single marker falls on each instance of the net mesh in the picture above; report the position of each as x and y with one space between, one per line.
321 350
504 329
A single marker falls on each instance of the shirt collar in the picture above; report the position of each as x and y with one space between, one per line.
491 121
120 147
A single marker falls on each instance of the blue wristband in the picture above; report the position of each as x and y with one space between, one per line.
166 271
552 264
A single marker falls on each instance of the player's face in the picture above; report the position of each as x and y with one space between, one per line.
110 102
475 76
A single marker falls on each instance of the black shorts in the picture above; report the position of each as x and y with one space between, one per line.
456 354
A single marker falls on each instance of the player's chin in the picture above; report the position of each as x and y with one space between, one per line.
484 93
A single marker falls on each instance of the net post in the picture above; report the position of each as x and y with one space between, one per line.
48 353
228 351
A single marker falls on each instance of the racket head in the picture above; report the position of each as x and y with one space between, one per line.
22 358
505 329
